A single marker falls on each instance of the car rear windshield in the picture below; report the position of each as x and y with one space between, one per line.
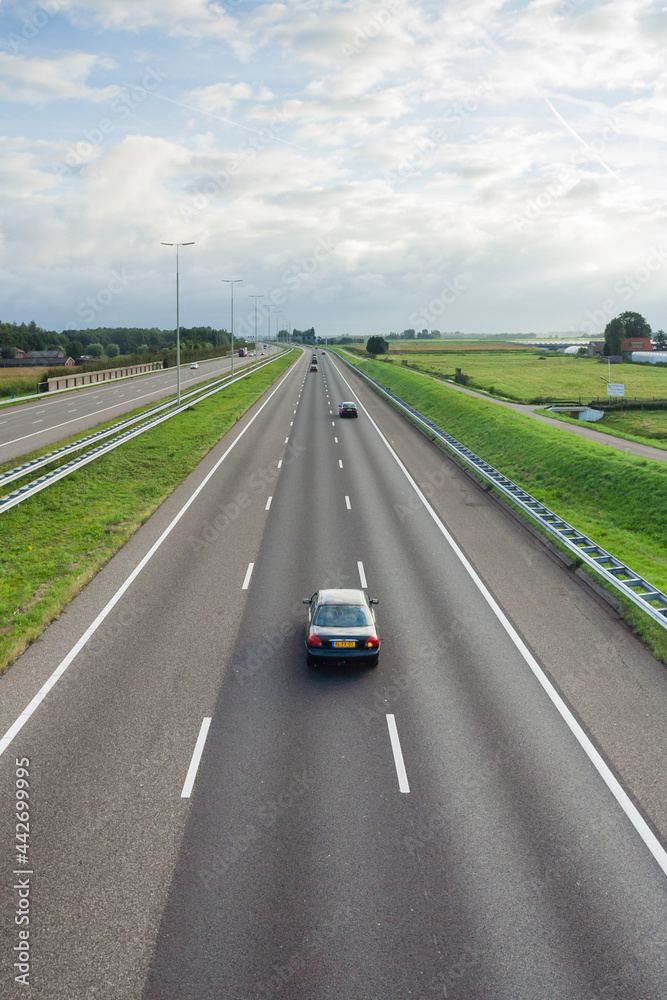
342 616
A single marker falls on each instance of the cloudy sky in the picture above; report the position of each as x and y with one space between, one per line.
369 166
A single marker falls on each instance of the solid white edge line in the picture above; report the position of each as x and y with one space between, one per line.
347 503
19 723
268 503
362 575
596 759
246 581
196 757
398 755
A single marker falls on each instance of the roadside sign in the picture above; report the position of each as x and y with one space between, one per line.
615 389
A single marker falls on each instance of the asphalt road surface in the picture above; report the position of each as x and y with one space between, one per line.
428 828
35 424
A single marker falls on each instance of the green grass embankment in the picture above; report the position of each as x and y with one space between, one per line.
52 544
617 499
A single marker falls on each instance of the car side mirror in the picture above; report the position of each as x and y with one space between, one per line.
374 600
306 600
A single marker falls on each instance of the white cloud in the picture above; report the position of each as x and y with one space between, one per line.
177 16
522 149
41 81
225 96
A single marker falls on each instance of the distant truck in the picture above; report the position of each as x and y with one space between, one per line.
243 352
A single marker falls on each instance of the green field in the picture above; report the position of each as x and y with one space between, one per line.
48 554
617 499
526 375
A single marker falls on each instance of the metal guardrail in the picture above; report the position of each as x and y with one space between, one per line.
19 471
612 570
31 488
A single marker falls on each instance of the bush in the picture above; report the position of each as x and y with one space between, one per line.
377 345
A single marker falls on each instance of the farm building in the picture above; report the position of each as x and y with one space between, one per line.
637 344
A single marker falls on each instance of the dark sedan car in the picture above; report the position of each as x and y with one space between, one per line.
347 410
313 368
342 628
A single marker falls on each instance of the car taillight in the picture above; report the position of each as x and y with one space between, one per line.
372 642
314 640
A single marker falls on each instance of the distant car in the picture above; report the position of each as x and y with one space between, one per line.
313 368
347 410
195 365
342 628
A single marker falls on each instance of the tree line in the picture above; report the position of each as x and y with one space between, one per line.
110 342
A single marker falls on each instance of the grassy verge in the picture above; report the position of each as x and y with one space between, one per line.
643 426
617 499
56 541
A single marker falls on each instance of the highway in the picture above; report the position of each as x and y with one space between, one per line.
428 828
38 423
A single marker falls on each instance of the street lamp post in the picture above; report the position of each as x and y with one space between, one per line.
271 305
231 282
255 297
178 322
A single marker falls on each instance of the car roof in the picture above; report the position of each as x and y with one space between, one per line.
342 595
349 404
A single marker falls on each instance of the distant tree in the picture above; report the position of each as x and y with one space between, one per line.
614 335
6 351
95 350
143 349
408 334
74 348
377 345
113 350
660 340
635 325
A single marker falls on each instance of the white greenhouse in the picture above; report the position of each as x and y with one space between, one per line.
650 357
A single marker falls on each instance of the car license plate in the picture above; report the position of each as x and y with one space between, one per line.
346 645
